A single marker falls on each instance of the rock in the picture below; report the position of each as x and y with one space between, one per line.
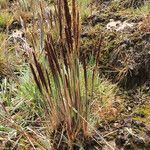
119 26
129 108
117 125
113 25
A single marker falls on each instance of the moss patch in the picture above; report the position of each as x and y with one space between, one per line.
144 112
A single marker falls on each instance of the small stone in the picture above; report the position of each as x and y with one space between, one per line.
116 125
129 108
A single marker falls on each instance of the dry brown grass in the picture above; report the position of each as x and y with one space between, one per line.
145 24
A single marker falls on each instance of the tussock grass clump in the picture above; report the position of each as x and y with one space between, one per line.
66 94
66 106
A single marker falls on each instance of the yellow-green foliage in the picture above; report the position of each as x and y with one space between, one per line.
2 37
84 9
145 110
5 18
